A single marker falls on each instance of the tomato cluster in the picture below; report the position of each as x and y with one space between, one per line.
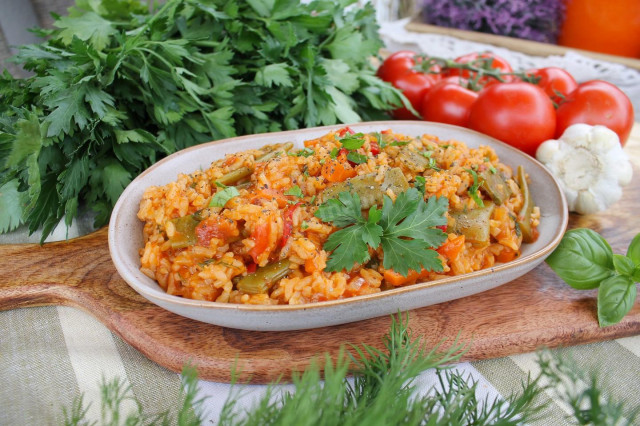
482 92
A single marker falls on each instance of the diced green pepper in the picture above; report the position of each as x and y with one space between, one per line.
495 185
473 224
261 281
185 234
368 189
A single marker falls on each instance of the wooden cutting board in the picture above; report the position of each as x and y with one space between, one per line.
535 310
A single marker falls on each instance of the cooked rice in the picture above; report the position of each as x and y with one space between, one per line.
210 268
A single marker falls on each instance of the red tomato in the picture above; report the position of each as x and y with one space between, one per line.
520 114
448 103
597 102
556 82
414 85
496 63
396 64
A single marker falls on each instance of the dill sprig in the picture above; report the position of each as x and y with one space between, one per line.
378 387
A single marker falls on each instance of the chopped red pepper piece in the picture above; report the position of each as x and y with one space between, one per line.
260 237
287 227
251 267
374 147
344 131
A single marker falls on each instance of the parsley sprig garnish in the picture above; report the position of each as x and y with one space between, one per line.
405 230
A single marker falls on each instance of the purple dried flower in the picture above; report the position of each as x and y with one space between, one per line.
537 20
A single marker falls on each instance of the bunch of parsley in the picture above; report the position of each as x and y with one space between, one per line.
115 87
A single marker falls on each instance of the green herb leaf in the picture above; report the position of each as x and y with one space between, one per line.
87 27
616 297
473 190
274 74
12 202
357 158
352 142
343 211
404 255
348 248
633 252
295 191
405 229
623 265
411 217
419 184
583 259
223 196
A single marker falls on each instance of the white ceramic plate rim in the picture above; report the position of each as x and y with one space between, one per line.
150 289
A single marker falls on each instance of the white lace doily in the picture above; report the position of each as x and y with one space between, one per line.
583 68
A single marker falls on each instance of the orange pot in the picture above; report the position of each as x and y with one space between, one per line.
607 26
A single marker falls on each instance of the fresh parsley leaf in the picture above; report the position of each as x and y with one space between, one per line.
419 184
334 153
343 211
274 74
405 229
473 189
11 204
421 222
411 217
348 248
223 196
357 158
404 255
352 142
295 191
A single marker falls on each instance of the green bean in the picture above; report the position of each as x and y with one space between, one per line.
263 279
524 218
238 174
277 150
234 176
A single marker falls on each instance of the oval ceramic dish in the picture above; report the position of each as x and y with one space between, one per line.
125 238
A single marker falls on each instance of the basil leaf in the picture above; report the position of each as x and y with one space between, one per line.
583 259
616 297
624 265
636 274
633 252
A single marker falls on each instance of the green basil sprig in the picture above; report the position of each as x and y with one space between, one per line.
584 260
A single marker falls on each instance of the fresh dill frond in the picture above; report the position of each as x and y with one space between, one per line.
365 385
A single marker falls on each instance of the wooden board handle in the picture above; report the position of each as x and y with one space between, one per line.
75 272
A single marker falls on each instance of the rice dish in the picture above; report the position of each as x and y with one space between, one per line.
246 230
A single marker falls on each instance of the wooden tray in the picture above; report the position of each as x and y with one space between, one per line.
536 310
